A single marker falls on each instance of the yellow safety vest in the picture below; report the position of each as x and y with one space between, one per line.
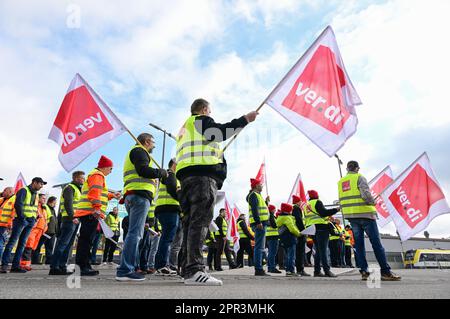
337 230
224 228
84 203
151 214
313 217
194 149
352 204
271 232
164 198
209 239
76 199
48 213
348 241
131 179
112 222
241 231
6 214
263 209
29 208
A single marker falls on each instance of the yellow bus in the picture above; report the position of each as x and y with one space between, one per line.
427 258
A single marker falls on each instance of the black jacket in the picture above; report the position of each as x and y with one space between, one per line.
219 171
323 212
171 184
140 159
53 224
297 213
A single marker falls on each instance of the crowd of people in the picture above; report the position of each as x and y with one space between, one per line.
170 212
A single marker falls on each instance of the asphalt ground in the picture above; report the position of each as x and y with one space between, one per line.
237 284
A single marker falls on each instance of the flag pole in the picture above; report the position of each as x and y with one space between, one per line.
280 83
137 141
265 179
340 173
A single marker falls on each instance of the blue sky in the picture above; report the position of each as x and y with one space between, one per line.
150 59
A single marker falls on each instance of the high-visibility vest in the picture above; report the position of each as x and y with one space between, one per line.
41 222
193 149
131 179
29 208
113 222
151 214
271 232
242 235
7 212
84 206
48 213
224 228
352 204
337 231
262 207
312 217
209 239
76 199
164 198
348 238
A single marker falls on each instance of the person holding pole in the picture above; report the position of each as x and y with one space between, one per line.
91 207
201 170
358 206
139 179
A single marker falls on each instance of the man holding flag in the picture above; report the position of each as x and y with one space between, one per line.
222 241
358 206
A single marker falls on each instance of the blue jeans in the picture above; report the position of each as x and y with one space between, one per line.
272 244
321 246
368 226
64 245
154 243
169 224
289 260
95 243
137 208
4 235
260 239
20 232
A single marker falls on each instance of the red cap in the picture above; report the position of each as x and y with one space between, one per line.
104 162
272 208
286 208
278 213
296 199
254 182
313 194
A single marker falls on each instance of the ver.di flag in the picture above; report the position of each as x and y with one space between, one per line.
317 96
234 231
20 183
84 123
415 198
261 176
377 185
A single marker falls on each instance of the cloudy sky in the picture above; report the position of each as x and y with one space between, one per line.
150 59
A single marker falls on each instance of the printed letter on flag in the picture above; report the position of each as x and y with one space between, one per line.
84 123
377 185
317 96
415 198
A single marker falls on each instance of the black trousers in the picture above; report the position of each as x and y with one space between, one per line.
245 246
334 252
110 248
280 257
221 247
300 253
49 244
211 255
348 256
87 231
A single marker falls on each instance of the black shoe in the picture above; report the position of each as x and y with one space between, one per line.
218 269
89 272
275 271
18 271
303 273
319 274
4 270
364 275
261 273
56 272
329 274
233 267
96 263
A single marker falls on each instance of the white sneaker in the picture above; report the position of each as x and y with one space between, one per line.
165 271
202 279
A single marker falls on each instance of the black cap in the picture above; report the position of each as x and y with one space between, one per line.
1 179
38 180
352 165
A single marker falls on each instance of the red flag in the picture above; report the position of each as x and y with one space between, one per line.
377 185
20 183
227 210
317 96
233 229
415 198
84 123
261 176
